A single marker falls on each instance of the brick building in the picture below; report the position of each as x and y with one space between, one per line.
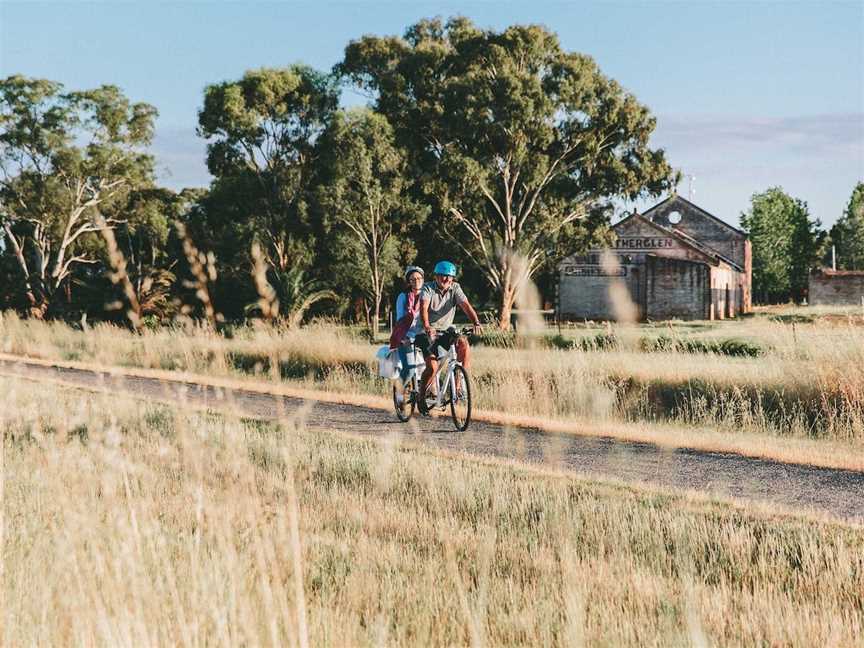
836 287
676 261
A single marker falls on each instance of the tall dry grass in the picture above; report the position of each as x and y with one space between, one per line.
128 523
808 384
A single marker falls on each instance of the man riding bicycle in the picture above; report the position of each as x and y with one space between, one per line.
438 302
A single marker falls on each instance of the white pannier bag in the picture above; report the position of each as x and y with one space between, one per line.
415 361
388 362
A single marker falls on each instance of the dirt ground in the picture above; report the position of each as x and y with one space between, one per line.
838 493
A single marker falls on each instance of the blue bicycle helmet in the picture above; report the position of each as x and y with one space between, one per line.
445 268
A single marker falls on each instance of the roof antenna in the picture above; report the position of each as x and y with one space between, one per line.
691 190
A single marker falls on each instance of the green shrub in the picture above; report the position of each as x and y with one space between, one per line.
793 319
493 337
727 347
598 342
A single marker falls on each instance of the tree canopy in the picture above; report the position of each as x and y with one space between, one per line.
518 143
65 159
262 131
786 243
364 198
496 149
847 234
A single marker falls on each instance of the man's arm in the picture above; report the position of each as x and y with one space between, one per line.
468 309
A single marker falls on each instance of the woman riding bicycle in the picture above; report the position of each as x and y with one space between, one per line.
408 323
438 302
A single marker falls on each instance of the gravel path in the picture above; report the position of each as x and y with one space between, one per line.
837 492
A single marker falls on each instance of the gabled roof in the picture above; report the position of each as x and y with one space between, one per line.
684 239
707 250
697 208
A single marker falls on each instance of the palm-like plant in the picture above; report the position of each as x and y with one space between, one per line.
154 293
294 295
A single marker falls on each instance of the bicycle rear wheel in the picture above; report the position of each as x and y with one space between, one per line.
405 409
460 398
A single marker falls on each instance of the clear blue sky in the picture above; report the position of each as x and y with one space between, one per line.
747 94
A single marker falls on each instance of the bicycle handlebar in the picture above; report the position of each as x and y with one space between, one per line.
465 330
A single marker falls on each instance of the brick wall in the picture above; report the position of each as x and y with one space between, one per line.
676 288
727 292
661 287
584 298
836 288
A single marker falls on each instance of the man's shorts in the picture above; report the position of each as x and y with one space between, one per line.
442 342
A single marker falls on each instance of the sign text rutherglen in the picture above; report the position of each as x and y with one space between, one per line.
643 243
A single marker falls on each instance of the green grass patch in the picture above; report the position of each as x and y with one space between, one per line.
733 347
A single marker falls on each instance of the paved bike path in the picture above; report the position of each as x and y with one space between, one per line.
836 492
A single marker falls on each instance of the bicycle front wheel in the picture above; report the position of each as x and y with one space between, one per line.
405 408
460 398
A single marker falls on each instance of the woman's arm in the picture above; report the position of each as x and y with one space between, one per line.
401 306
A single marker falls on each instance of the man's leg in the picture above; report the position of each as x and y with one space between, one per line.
426 378
463 353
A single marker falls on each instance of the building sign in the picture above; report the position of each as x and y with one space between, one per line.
593 271
644 243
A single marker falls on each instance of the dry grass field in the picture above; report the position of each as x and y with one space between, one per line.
785 383
126 523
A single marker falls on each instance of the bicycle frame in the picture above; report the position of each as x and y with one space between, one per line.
446 377
451 362
446 363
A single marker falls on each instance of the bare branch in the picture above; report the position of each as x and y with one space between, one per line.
60 274
477 233
550 174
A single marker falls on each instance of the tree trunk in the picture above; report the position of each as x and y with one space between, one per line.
509 274
367 313
377 315
376 276
508 295
37 307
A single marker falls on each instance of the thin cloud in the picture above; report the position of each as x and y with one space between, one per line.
726 159
180 158
840 135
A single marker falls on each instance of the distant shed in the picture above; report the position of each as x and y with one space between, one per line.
836 287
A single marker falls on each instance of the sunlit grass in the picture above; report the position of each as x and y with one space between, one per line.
808 383
129 523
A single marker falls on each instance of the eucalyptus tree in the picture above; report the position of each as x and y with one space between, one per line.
786 243
262 131
847 234
519 143
364 197
145 237
65 158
